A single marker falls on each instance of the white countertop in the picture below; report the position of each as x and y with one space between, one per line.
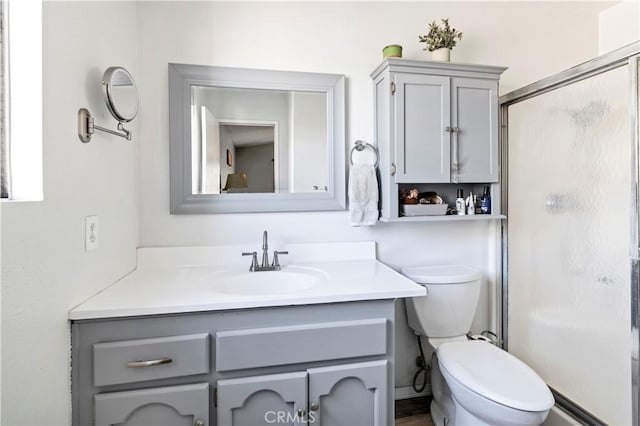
179 280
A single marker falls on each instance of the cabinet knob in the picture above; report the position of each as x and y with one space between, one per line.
392 169
301 414
199 422
314 406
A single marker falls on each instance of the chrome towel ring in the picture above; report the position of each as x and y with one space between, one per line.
360 146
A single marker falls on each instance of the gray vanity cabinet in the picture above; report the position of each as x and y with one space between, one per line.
166 406
348 395
263 400
339 395
234 367
435 123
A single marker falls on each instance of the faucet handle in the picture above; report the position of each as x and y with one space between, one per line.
276 261
254 259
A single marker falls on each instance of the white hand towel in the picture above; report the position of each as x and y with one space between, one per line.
363 195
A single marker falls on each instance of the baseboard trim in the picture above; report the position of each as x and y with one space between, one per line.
406 392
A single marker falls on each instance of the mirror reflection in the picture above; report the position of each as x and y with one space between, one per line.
121 94
258 141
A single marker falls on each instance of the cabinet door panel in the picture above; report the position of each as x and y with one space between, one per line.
422 144
167 406
262 400
475 114
349 395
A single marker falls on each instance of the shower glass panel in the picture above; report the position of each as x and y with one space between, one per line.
569 200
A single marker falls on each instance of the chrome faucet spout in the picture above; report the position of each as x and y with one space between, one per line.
265 249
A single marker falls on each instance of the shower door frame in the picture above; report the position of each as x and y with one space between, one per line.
626 56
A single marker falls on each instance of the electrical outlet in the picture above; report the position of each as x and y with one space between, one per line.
91 233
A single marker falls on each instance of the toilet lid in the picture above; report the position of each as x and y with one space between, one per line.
442 274
495 375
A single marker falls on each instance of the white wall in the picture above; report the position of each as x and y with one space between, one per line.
345 38
45 271
619 25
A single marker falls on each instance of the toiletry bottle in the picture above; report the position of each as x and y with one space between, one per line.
460 204
471 208
485 201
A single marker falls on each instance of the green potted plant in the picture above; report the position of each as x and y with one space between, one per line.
440 40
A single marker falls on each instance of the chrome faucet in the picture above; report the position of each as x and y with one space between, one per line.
265 249
275 265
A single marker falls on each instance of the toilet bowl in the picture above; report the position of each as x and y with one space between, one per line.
489 386
473 382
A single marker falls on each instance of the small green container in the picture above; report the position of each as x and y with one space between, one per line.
392 51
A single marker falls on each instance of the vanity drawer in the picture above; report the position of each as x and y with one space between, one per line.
270 346
130 361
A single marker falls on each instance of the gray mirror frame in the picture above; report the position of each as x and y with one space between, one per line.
181 79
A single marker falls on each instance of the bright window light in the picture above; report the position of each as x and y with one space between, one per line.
25 104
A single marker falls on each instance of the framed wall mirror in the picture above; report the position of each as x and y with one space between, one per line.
245 140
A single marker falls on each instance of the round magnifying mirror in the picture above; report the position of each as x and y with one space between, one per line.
120 93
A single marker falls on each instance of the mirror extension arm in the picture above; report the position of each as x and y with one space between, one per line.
86 127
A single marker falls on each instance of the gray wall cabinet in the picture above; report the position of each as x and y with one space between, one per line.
474 120
422 152
436 123
331 363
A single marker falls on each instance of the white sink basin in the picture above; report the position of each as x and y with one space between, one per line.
289 279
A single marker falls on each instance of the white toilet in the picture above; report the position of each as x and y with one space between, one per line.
473 382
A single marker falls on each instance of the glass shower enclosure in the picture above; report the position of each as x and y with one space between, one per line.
570 243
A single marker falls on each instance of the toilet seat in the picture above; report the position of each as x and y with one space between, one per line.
495 374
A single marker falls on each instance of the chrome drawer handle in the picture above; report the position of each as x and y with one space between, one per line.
151 363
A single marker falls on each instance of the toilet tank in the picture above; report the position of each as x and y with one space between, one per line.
450 304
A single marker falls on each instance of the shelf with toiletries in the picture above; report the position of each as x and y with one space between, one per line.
445 202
